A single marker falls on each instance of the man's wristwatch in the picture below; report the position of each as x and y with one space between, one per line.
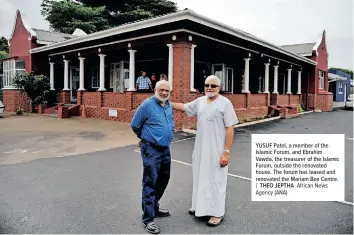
226 150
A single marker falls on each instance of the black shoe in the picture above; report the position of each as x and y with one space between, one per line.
191 212
162 213
152 228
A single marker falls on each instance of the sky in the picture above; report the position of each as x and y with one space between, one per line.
280 22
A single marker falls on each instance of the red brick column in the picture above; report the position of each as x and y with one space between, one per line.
100 98
248 100
274 99
79 97
268 99
129 106
66 97
181 80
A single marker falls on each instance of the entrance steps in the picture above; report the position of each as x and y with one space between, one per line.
53 114
284 111
65 111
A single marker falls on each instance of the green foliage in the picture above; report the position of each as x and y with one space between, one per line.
19 111
3 54
300 109
3 45
66 16
96 15
346 71
35 86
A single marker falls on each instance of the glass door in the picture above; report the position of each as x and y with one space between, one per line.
229 81
74 83
219 71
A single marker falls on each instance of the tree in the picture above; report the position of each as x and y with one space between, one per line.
3 54
101 14
4 46
66 16
124 11
35 86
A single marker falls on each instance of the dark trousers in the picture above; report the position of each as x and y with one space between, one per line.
157 165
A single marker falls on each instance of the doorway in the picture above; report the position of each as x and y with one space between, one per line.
225 74
282 84
74 83
119 75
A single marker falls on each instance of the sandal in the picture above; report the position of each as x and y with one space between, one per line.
215 221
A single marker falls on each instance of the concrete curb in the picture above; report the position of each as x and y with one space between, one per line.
250 123
305 112
256 122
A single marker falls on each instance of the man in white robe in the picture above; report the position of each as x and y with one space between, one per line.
215 120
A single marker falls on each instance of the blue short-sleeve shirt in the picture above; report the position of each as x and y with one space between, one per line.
154 123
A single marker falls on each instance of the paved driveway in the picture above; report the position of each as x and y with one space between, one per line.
27 138
100 192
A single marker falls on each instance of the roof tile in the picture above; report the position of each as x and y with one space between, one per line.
51 37
300 49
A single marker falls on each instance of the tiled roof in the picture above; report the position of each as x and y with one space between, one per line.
158 16
185 14
300 49
335 77
44 36
339 72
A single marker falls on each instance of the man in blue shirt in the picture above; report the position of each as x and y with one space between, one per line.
153 123
143 83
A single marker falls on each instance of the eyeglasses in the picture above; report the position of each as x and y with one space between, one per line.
210 85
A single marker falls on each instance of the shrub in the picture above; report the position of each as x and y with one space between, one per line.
35 86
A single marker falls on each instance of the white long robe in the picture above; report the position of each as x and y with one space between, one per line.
209 178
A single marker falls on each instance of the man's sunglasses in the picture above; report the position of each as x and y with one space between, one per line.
210 85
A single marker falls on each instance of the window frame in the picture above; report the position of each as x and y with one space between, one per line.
340 87
9 72
321 83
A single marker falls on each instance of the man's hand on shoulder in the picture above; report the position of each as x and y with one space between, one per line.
177 106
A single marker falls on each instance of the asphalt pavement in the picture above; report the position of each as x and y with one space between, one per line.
100 192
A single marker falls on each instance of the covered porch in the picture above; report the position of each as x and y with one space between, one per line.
100 75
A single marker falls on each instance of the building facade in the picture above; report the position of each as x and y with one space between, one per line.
97 73
339 84
23 39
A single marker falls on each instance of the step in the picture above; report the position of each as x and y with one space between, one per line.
69 105
51 115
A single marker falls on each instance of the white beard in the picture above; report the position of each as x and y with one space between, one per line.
160 98
211 94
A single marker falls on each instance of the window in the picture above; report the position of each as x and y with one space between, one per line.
95 77
261 84
340 87
321 80
226 76
11 68
229 80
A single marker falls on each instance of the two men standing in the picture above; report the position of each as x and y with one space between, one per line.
153 123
